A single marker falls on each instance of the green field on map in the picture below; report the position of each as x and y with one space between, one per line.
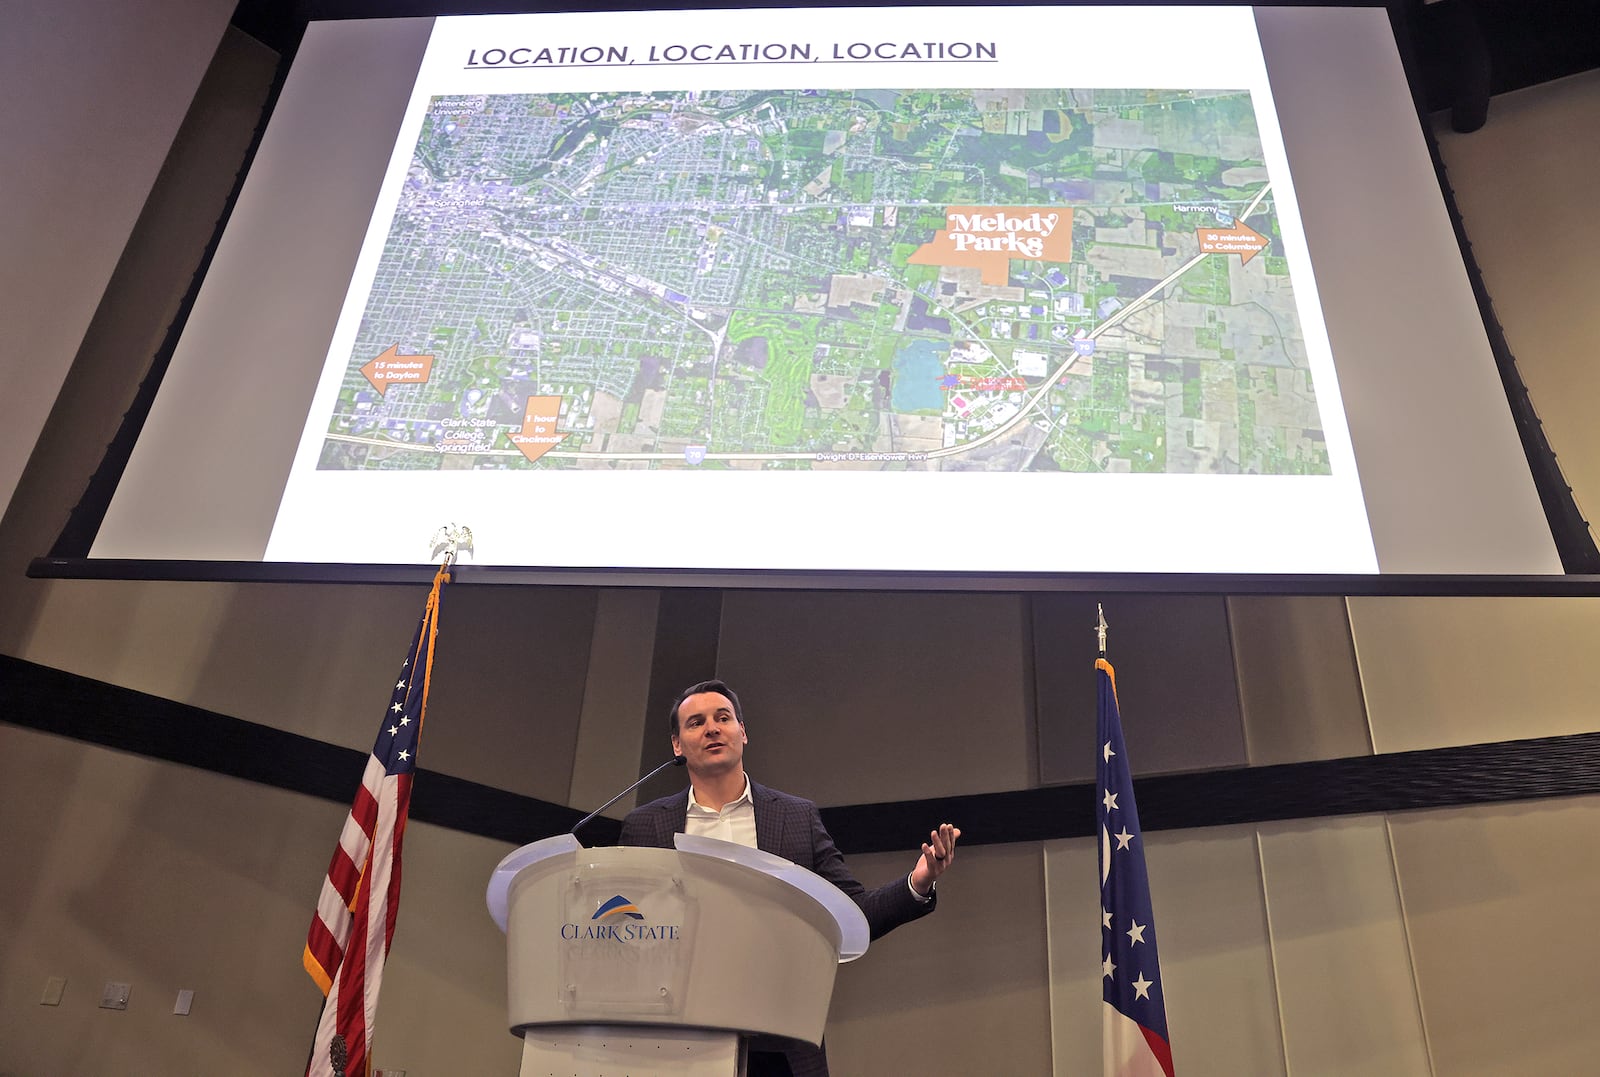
1078 280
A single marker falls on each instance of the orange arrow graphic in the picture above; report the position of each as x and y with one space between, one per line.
392 368
538 434
1241 239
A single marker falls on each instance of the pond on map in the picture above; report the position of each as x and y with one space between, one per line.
918 367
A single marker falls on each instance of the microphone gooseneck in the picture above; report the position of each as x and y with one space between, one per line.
675 761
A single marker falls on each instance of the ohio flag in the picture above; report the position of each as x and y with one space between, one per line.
1134 1039
354 923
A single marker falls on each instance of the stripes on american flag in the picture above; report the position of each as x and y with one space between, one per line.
354 925
1134 1040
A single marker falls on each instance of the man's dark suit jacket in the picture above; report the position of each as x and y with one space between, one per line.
789 827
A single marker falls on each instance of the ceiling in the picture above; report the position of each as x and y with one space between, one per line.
1461 51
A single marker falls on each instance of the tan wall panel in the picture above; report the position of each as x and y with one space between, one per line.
1501 901
1346 992
1175 682
1071 873
1211 925
165 877
86 105
957 993
1447 671
1524 186
616 693
855 698
145 292
508 687
1298 687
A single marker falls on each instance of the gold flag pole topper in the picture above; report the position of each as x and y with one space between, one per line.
451 539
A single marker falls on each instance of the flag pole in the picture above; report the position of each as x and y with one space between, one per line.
1100 629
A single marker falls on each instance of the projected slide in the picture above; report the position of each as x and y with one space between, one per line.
1083 280
884 280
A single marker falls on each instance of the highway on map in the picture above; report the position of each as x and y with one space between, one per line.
998 432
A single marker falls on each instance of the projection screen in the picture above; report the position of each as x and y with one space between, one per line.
1010 290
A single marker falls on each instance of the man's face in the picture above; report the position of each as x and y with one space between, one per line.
709 737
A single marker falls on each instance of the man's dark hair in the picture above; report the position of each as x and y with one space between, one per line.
705 686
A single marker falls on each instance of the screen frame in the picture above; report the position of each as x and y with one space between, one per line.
1569 531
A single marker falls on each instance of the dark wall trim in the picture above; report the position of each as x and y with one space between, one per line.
1504 771
65 704
54 701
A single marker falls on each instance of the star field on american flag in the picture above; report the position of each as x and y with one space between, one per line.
396 748
1135 1010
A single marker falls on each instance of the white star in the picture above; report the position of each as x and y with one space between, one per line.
1109 800
405 755
1107 752
405 719
1105 919
1136 933
1123 838
395 729
1107 968
1141 987
397 708
399 684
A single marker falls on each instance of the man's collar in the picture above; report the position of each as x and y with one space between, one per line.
695 805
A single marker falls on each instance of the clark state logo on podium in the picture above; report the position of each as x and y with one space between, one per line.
613 920
622 946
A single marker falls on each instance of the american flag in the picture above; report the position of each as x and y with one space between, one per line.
350 934
1134 1040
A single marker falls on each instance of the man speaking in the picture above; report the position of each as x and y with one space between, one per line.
722 802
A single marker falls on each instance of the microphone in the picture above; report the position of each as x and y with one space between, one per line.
675 761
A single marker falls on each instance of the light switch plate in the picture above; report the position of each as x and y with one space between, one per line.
54 988
115 996
185 1000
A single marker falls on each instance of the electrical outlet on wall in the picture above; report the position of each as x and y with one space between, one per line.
115 996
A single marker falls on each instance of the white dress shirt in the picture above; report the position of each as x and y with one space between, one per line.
736 822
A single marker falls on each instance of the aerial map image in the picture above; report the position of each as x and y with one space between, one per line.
1067 280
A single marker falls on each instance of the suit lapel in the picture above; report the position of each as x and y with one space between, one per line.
674 819
770 821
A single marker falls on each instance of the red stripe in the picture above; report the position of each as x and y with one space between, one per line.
402 796
343 874
362 972
365 810
324 947
1160 1048
351 1020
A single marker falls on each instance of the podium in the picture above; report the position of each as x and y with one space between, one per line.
663 961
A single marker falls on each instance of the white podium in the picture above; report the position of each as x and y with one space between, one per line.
659 961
